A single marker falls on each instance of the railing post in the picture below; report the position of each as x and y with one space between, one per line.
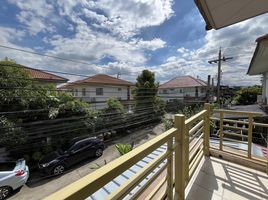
207 129
267 165
187 152
250 127
170 170
221 130
179 157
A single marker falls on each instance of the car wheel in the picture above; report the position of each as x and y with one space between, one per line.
59 169
98 152
4 192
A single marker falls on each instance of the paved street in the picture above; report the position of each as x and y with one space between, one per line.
38 188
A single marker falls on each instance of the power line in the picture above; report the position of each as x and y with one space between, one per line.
50 56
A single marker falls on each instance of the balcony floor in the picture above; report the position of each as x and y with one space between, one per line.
219 179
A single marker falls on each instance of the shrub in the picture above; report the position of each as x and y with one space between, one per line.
168 123
124 148
248 95
11 136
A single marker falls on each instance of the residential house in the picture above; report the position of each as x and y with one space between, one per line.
259 65
99 88
183 88
44 78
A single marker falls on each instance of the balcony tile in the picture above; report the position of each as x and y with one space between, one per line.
237 192
200 193
211 183
219 179
215 167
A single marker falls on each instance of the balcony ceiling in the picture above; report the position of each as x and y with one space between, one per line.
222 13
259 62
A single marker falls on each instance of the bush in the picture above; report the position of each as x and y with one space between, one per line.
37 156
248 95
168 123
114 105
11 136
124 148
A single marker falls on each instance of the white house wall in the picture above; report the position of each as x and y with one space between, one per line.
180 93
108 91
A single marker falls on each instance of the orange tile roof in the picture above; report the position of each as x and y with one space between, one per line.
43 76
183 82
100 79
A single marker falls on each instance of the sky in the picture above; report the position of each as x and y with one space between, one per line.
167 37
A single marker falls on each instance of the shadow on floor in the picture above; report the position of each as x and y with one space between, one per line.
219 179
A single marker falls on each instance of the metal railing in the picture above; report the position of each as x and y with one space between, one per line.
186 143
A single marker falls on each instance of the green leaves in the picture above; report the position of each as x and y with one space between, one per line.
248 95
114 105
123 148
11 135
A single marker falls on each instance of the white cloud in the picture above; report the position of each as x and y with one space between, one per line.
10 34
110 28
37 16
126 18
237 41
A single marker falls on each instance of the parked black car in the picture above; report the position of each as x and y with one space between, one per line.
73 152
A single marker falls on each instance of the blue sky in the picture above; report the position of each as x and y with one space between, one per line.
126 36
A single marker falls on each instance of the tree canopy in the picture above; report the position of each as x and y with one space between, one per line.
146 94
248 95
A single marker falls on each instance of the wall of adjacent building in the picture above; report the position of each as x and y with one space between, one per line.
180 93
90 93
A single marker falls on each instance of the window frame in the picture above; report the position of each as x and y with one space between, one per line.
100 92
84 92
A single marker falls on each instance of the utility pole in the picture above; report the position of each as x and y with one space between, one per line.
208 89
118 75
219 60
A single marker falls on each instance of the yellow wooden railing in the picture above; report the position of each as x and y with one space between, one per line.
187 143
245 136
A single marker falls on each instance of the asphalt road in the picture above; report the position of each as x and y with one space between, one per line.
39 187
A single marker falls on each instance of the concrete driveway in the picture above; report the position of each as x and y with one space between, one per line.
38 187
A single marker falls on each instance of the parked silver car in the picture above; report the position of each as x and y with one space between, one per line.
13 174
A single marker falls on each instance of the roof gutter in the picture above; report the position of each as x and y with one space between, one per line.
203 13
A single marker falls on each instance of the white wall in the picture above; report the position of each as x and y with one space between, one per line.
108 91
180 93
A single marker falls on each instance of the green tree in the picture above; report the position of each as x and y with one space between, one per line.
28 101
114 105
11 136
248 95
146 94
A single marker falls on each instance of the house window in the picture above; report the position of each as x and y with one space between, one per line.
76 92
164 91
99 91
119 89
181 90
72 92
84 92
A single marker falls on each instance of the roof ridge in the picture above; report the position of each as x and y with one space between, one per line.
102 79
183 81
42 71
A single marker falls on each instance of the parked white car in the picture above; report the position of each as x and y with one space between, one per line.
13 174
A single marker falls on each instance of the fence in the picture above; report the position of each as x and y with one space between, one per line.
186 143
